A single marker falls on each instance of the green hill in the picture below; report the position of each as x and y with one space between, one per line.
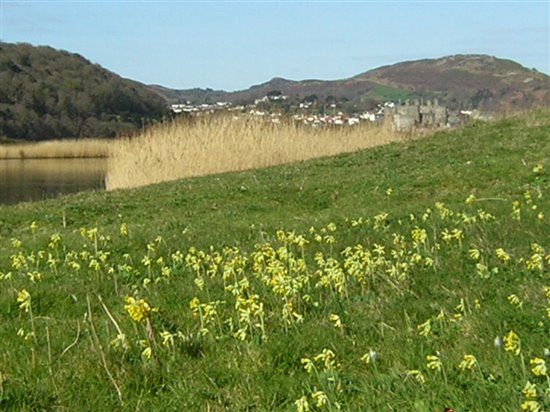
47 93
467 81
413 277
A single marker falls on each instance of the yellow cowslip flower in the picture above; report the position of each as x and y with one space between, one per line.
502 255
302 404
167 338
515 300
33 225
378 249
547 292
419 235
516 210
16 243
446 235
539 367
309 366
529 390
538 168
24 300
535 262
331 227
328 357
120 342
336 319
123 229
531 405
146 353
433 362
468 362
428 261
512 343
138 309
320 398
424 329
416 375
470 199
457 234
474 253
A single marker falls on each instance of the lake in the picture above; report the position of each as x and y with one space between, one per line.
35 179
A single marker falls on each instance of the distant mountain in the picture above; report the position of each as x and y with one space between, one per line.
47 93
461 81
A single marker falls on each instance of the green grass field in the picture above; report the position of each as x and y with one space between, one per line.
389 93
408 277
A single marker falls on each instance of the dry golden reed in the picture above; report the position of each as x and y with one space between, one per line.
56 149
207 146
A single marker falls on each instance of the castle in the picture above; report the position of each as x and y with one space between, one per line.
418 114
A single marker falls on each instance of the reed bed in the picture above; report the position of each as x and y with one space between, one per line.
56 149
207 146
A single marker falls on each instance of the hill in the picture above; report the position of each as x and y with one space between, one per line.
411 277
461 81
47 93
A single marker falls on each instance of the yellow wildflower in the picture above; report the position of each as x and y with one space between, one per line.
336 319
502 255
120 342
16 243
531 405
146 353
433 362
515 300
539 367
308 365
529 390
419 235
302 405
416 375
320 398
138 309
468 362
512 343
167 338
474 253
328 357
24 300
425 328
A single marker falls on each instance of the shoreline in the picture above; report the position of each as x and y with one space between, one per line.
56 149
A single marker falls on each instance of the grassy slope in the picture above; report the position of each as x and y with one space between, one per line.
494 162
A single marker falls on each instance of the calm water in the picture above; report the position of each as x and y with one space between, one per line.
35 179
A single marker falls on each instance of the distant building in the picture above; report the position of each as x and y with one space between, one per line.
408 116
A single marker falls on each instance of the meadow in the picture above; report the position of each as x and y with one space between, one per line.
412 276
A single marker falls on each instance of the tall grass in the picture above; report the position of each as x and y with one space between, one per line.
56 149
207 146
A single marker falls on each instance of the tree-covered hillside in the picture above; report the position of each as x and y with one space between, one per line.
47 93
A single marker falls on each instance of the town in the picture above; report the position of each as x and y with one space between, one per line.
274 107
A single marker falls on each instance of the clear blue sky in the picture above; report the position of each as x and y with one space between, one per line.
232 45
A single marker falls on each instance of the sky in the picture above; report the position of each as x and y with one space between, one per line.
232 45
